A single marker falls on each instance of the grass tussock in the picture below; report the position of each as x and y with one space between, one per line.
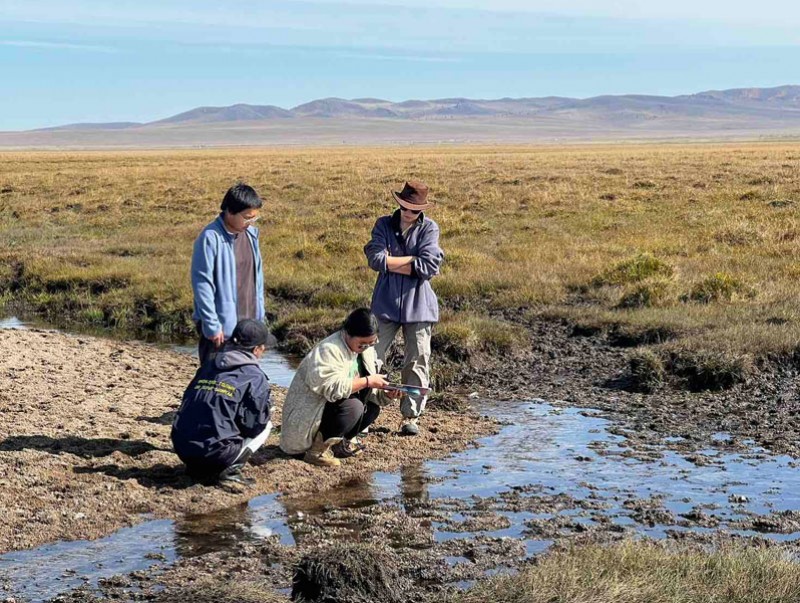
637 572
633 270
647 372
690 236
720 287
350 573
647 295
709 369
458 337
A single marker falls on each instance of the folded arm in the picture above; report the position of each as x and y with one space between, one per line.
429 257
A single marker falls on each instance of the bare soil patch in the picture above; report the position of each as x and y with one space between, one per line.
85 448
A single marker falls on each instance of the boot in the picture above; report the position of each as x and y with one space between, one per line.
233 473
320 453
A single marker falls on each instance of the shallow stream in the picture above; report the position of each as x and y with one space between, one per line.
550 472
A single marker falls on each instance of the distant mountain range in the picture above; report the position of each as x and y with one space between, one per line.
759 103
715 114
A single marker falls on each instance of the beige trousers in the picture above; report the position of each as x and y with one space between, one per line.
416 359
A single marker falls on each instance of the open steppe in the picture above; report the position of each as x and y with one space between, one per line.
687 250
654 283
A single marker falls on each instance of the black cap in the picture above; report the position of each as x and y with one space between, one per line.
250 333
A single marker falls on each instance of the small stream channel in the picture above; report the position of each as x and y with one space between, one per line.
547 464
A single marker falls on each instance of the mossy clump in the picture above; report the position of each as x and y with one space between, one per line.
719 287
710 369
646 295
646 371
633 270
350 573
455 340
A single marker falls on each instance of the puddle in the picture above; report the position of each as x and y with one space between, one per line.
42 573
12 322
548 474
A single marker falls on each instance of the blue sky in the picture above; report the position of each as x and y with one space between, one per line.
97 60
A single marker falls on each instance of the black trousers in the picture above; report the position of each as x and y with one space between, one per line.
344 419
205 347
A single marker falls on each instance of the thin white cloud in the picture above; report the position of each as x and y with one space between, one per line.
764 12
396 57
58 46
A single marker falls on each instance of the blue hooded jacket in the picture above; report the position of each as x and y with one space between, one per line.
214 279
228 400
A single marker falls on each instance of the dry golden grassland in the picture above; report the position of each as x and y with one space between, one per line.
640 572
693 248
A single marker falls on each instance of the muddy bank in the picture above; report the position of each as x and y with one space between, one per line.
84 441
571 368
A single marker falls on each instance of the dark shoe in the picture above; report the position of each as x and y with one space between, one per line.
409 427
233 476
345 449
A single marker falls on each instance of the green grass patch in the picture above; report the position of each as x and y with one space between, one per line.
459 337
633 270
647 295
720 287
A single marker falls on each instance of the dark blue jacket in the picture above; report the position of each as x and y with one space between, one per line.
227 401
397 297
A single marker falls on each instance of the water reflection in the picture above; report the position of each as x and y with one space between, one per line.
414 484
197 535
279 367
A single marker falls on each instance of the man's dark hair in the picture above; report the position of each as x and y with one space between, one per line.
239 198
361 323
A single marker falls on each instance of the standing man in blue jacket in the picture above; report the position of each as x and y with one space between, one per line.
224 416
227 274
404 250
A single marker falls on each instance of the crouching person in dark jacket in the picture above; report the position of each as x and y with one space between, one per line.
224 415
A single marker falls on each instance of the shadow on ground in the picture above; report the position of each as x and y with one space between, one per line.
156 476
166 419
82 447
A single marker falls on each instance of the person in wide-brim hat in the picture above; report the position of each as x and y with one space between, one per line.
413 196
404 250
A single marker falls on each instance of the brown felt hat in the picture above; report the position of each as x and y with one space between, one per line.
413 196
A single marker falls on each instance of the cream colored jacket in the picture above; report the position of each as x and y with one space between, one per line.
322 377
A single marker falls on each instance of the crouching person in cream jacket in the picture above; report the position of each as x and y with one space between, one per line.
336 393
